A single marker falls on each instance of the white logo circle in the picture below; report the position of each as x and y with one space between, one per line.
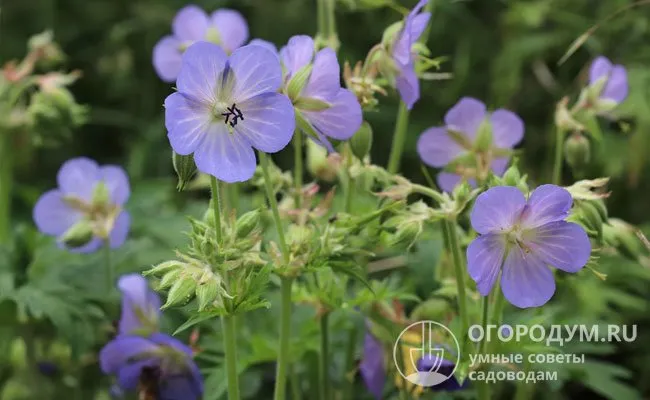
434 336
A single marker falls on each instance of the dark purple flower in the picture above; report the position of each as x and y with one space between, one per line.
444 367
615 88
438 147
162 361
372 367
140 306
88 196
407 81
227 106
339 114
224 27
521 238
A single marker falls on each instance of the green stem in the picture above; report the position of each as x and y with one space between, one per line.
454 249
216 209
297 167
557 163
109 266
6 183
270 194
294 382
285 334
324 356
230 350
330 21
349 187
348 388
484 322
399 137
321 19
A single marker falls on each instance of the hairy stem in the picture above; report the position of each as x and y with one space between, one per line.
557 163
285 335
459 264
216 209
297 167
399 137
324 356
230 350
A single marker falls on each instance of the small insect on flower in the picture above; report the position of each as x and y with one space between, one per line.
140 306
226 28
520 238
227 106
87 208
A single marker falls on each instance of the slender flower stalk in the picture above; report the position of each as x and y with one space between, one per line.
459 271
216 208
399 137
324 356
298 167
109 266
557 162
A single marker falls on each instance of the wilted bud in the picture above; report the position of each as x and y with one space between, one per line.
361 141
298 82
320 164
207 290
185 169
78 234
563 118
48 51
484 136
181 291
246 223
407 234
577 151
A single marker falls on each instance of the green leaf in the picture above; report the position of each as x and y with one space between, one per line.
198 318
353 271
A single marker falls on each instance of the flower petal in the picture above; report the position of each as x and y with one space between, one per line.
180 386
324 81
256 70
171 342
507 128
617 87
547 203
372 366
466 116
499 166
497 209
120 230
52 215
121 350
128 376
187 122
563 245
167 58
414 25
140 304
268 122
232 28
228 157
201 72
436 148
485 256
448 181
408 85
264 43
77 177
342 120
600 67
117 182
298 52
88 248
190 23
526 280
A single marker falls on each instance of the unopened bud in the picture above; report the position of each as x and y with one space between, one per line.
462 191
629 244
169 278
407 234
101 195
361 141
320 164
484 136
246 223
298 82
163 268
78 234
185 169
591 217
512 176
577 151
207 290
181 291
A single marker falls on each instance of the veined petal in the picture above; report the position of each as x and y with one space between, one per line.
117 183
466 116
167 58
123 349
201 72
128 376
190 23
228 157
526 280
52 215
547 203
485 256
265 43
617 87
232 28
497 209
563 245
268 122
120 230
256 70
341 120
436 148
140 304
298 52
324 81
78 176
408 85
187 122
507 128
599 67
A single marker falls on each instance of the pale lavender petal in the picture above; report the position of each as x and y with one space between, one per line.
264 43
88 248
201 72
526 281
419 24
499 166
167 58
268 123
436 148
187 122
413 27
120 350
52 215
547 203
485 256
372 367
297 53
256 70
232 28
617 87
466 116
227 157
507 129
497 209
166 340
120 230
448 181
140 304
190 23
324 81
600 67
408 85
563 245
117 182
128 376
77 177
341 120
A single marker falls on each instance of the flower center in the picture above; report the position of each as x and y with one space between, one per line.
231 115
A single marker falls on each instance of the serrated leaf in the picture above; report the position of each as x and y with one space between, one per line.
198 318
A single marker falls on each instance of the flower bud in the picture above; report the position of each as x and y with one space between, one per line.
101 195
185 169
406 234
577 151
207 290
512 176
361 141
462 191
181 291
169 278
628 243
484 136
591 217
78 234
320 164
298 82
246 223
163 268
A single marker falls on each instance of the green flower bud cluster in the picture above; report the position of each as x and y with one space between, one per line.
625 238
592 215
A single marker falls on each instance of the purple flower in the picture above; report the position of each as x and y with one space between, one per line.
89 200
444 367
338 115
615 87
140 306
440 146
227 106
225 27
521 238
372 367
407 81
164 363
